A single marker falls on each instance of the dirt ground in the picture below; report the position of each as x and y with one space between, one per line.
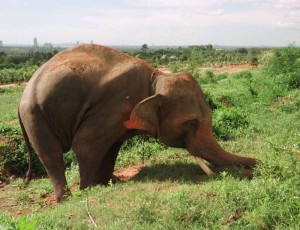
12 85
125 174
218 70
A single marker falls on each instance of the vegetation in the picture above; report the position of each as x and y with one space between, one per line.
255 113
204 55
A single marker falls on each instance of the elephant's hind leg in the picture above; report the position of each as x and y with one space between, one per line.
48 149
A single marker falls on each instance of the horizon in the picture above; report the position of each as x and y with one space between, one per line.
242 23
72 44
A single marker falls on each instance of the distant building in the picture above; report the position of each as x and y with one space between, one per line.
77 42
35 42
48 45
92 42
1 43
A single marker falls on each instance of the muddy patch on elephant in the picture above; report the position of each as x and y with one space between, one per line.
125 174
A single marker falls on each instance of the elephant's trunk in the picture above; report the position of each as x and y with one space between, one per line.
204 145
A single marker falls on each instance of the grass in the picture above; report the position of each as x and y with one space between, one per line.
10 98
171 192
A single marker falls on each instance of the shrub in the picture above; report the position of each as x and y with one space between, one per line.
208 77
221 76
14 153
175 67
138 148
226 121
294 80
284 60
245 74
210 101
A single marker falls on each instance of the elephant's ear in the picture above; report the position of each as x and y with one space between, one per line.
145 115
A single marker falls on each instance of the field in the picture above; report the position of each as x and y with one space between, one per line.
255 113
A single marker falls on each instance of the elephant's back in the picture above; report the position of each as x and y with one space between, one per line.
83 57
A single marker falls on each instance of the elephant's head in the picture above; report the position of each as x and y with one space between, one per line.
179 116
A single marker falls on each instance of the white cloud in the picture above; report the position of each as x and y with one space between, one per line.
107 22
286 25
218 12
287 4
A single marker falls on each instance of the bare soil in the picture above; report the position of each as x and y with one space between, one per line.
219 69
125 174
12 85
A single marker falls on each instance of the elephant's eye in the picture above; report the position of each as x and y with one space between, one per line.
191 124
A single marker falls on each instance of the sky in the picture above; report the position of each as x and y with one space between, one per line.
152 22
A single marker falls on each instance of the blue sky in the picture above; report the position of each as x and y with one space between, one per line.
158 22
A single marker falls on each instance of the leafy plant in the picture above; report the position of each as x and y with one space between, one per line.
22 223
284 60
14 155
245 74
293 80
139 148
226 121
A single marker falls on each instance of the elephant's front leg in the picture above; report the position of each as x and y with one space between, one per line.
89 168
97 168
108 164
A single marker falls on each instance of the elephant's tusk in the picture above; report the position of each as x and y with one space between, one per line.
204 167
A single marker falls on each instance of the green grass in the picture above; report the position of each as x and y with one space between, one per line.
10 98
171 191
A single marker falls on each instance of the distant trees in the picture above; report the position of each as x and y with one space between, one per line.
198 55
18 60
144 47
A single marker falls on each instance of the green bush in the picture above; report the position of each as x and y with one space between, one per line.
210 100
284 60
245 74
14 153
138 148
12 75
22 223
294 80
226 121
221 76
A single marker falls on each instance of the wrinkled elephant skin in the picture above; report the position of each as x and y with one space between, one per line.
91 98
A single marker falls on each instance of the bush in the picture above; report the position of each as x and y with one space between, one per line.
245 74
210 101
284 61
226 121
221 76
294 80
13 153
138 148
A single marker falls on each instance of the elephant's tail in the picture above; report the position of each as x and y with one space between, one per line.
28 175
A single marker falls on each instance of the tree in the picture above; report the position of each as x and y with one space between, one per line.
144 47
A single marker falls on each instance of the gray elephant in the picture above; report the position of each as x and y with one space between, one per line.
91 98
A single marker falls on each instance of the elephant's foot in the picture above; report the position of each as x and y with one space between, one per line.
61 193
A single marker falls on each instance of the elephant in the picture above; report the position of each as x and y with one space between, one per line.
91 98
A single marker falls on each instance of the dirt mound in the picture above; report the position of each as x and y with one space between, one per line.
128 173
